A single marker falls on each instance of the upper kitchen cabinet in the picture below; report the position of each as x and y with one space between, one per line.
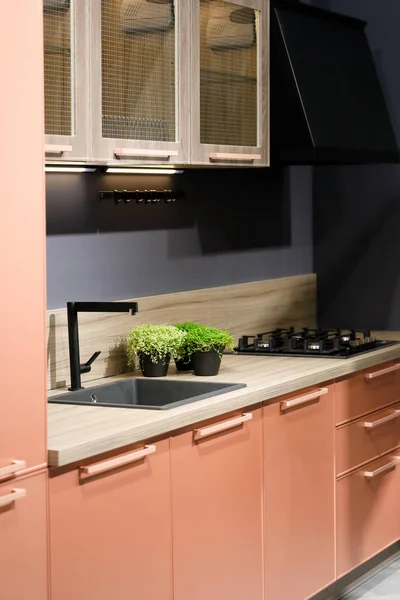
157 81
140 57
66 87
229 109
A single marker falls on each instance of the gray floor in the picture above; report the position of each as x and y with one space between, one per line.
385 585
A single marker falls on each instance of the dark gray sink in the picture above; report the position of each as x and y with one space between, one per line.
158 394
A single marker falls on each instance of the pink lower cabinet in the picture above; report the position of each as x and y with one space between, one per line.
110 528
23 538
299 495
368 515
217 510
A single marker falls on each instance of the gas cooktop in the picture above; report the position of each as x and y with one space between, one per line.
324 343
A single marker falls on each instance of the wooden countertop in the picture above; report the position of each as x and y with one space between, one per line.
79 432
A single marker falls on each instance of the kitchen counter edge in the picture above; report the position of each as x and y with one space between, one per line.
80 432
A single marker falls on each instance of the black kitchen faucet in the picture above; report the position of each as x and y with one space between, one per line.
73 308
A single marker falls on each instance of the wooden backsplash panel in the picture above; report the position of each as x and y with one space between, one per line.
242 308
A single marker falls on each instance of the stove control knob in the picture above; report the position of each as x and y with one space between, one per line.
263 345
314 346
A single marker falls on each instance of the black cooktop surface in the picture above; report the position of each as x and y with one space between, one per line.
321 343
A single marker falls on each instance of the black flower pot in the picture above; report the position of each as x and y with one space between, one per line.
184 364
152 369
207 363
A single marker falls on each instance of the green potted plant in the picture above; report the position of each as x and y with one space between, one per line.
184 361
153 346
205 346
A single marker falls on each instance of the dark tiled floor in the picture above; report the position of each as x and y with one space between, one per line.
385 585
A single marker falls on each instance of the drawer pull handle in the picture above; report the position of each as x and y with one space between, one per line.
56 149
391 369
16 465
286 404
16 494
120 461
200 434
391 417
144 153
216 156
389 467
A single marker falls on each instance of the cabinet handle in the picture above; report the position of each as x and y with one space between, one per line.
286 404
144 153
216 156
120 461
16 465
389 467
391 369
16 494
200 434
391 417
56 149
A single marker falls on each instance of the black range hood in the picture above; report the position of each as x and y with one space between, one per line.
327 105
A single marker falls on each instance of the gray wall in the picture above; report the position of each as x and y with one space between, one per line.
357 209
231 226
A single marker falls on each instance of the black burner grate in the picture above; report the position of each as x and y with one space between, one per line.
335 343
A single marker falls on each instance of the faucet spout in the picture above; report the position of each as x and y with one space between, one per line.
73 308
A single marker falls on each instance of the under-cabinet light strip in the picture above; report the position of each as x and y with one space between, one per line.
149 171
112 170
70 169
68 163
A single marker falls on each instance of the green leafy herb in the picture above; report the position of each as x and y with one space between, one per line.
188 325
202 338
157 341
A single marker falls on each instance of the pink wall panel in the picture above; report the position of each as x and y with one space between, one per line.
22 235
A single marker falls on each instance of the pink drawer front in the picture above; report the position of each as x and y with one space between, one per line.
367 391
367 512
367 438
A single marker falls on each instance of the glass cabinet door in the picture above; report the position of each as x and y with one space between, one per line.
230 82
65 90
140 88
